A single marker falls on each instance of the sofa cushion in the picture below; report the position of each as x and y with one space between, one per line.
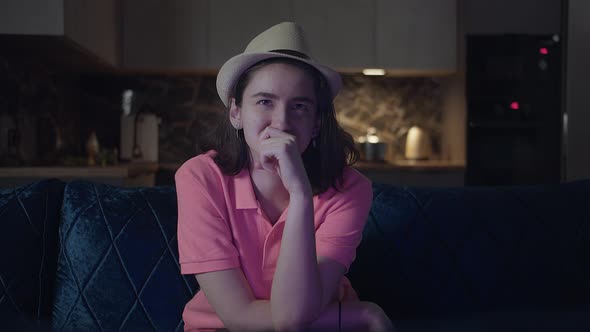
118 264
28 251
429 251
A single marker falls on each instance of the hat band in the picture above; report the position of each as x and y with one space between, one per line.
293 53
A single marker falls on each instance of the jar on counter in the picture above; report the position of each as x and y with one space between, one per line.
370 146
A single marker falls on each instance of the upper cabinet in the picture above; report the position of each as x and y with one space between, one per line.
234 23
93 25
401 36
31 17
340 32
165 35
416 36
188 35
405 37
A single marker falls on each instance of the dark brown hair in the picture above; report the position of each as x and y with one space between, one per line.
323 163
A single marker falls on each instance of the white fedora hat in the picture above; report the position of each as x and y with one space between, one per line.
284 40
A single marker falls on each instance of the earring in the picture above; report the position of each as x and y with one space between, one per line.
313 143
237 130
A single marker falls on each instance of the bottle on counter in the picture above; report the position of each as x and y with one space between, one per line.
92 148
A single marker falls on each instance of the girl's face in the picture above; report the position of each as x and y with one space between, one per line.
280 96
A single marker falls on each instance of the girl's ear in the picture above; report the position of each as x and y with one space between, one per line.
234 113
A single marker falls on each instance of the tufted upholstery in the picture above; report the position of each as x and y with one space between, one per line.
28 245
451 251
118 264
466 253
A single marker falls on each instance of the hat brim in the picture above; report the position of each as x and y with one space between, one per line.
234 67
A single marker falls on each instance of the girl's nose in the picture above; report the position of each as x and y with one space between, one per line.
281 118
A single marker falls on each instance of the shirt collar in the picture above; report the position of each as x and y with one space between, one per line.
244 193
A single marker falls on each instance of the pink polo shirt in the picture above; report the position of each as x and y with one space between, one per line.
221 226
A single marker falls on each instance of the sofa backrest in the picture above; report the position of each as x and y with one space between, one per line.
428 251
424 251
29 216
118 261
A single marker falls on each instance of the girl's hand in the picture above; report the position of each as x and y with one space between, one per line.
279 153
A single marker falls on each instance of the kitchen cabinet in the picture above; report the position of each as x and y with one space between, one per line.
414 37
417 35
188 35
93 25
340 32
398 35
234 23
165 35
31 17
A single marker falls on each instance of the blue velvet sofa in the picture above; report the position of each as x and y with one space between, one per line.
83 256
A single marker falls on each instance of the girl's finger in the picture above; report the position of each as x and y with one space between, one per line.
270 132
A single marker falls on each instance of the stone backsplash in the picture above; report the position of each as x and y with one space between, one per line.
392 106
55 112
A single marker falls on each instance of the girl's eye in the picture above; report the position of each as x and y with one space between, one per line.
264 102
301 107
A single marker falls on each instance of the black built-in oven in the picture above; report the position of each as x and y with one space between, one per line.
513 90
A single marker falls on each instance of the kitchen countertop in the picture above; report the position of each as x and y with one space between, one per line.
417 165
411 165
131 169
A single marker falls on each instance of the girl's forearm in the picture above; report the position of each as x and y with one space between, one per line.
350 316
296 288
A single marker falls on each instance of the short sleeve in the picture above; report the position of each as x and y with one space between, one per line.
204 236
341 232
